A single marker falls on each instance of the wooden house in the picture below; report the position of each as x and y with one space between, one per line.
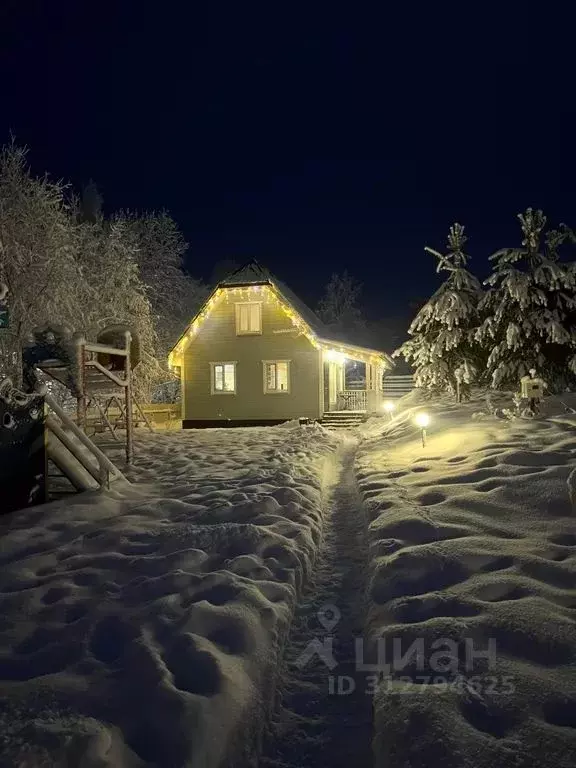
256 355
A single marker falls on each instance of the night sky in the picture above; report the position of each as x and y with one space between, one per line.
313 141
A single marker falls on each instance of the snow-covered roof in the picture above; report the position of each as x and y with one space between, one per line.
254 273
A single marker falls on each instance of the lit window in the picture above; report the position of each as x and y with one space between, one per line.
248 318
276 376
223 378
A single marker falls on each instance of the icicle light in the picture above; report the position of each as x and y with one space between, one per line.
269 293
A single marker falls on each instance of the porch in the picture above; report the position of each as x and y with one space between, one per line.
352 386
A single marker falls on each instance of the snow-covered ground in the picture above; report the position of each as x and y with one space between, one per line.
147 626
144 626
472 545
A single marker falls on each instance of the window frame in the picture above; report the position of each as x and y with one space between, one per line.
213 390
237 306
265 364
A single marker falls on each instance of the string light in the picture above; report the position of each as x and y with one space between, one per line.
270 294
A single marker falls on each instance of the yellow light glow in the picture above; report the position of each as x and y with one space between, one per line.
422 420
271 295
333 356
389 406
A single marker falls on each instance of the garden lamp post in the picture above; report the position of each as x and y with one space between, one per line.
422 420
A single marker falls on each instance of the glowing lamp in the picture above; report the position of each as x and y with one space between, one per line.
388 406
422 420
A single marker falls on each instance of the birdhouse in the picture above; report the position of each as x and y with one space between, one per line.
532 387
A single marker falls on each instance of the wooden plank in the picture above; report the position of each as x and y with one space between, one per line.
106 350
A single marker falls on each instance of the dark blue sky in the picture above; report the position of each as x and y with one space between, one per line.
315 140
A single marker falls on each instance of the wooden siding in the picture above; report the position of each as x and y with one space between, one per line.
216 341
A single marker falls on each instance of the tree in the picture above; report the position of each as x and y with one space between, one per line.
222 269
174 296
65 264
37 254
442 348
338 308
115 293
91 203
528 319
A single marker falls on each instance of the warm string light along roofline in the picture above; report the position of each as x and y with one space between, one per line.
249 292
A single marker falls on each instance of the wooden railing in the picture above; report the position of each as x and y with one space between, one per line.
351 400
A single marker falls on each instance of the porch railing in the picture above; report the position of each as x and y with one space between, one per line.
351 400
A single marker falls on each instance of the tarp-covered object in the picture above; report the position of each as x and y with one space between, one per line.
22 451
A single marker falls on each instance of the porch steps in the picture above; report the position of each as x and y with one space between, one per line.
343 419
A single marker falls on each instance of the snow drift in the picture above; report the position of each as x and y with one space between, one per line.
473 541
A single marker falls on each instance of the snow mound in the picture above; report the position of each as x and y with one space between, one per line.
473 566
143 626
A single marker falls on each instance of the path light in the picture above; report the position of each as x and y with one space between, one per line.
422 420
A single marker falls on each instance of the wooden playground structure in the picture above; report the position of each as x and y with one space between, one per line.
99 375
105 394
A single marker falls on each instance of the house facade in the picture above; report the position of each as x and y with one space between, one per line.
256 355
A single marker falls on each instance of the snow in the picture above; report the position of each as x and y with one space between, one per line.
164 623
473 537
144 625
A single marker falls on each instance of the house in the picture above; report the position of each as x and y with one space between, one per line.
256 355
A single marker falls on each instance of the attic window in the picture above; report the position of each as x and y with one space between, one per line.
248 318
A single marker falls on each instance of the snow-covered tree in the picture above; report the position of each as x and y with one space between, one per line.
174 295
441 347
115 293
37 255
528 309
64 263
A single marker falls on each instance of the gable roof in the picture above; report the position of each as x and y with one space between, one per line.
254 273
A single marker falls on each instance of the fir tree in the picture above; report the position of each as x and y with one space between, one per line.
338 308
442 349
528 308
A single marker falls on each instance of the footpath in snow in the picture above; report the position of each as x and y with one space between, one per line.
324 716
472 546
145 626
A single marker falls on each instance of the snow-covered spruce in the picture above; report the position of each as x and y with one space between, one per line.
527 313
442 347
143 626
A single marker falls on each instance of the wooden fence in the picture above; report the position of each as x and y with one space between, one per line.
397 386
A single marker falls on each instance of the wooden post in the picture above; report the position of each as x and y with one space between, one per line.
458 392
128 393
81 398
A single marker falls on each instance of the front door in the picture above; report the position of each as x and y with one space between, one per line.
332 384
